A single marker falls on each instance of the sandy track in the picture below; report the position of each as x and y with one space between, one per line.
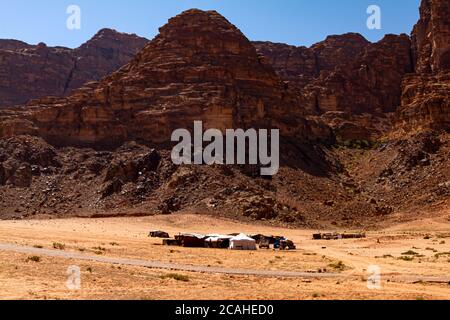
162 265
212 270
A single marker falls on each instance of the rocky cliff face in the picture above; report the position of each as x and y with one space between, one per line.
29 72
431 37
344 73
13 45
426 95
346 80
200 67
350 83
300 65
425 103
295 65
106 52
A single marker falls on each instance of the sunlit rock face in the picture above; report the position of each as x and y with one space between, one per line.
30 72
426 95
200 67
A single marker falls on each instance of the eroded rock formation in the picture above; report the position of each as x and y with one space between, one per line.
29 72
200 67
346 80
344 73
431 37
426 94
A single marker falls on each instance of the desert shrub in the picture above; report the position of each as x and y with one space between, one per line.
338 266
406 258
410 253
99 249
59 246
442 254
34 259
175 276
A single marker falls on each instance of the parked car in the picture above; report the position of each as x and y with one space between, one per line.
287 245
158 234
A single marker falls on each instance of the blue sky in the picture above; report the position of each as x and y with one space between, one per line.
297 22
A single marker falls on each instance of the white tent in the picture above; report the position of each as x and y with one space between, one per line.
242 242
217 237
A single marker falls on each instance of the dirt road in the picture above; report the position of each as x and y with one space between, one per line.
161 265
118 260
205 269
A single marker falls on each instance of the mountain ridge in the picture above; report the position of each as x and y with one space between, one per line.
104 149
21 65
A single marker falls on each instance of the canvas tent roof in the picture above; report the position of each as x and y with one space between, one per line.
217 237
242 242
193 235
242 237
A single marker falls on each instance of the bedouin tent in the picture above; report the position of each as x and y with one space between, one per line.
242 242
218 241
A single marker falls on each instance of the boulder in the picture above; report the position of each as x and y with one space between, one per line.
22 176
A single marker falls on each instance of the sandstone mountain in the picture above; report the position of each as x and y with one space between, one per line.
352 84
102 150
200 67
356 86
344 73
431 37
426 94
30 72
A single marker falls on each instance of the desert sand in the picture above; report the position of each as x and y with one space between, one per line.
414 259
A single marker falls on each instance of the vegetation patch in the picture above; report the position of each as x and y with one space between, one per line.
59 246
410 253
99 249
406 258
441 254
175 276
34 259
339 266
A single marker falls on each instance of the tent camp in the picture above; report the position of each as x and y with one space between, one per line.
242 242
191 240
218 241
